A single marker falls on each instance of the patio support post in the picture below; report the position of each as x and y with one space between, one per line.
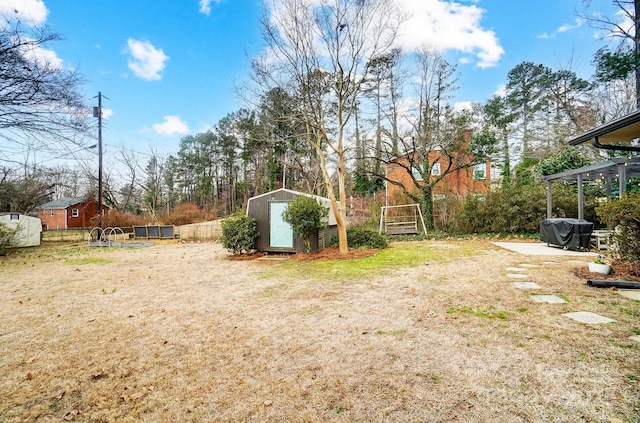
622 179
608 187
580 198
549 204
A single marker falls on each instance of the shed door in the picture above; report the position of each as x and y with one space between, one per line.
280 232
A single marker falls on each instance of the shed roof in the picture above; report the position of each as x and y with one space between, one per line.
323 200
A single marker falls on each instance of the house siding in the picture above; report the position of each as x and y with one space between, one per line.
62 218
458 183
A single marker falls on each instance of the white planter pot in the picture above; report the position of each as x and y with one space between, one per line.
599 268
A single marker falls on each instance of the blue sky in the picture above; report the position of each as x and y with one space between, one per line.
169 68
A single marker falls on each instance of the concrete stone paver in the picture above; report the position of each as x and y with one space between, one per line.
588 317
525 285
529 265
633 294
516 276
551 299
635 338
515 269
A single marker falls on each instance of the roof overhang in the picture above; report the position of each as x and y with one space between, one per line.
621 130
613 168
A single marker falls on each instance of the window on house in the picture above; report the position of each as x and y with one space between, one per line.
74 213
479 172
51 212
14 216
416 175
435 169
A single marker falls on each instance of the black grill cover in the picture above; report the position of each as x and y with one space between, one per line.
568 233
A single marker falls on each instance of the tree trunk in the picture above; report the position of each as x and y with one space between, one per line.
636 42
426 204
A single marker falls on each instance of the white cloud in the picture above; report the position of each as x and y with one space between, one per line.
43 56
30 12
172 125
106 113
205 6
146 62
567 27
448 25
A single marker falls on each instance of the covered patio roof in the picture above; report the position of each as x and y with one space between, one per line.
622 130
625 129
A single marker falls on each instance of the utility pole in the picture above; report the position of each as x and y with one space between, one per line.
97 112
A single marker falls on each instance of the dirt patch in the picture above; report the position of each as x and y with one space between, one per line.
181 333
333 254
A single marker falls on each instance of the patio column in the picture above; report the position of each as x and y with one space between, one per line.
608 187
622 179
549 204
580 198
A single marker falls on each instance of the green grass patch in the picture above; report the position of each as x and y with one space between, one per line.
631 312
88 260
488 313
398 333
397 256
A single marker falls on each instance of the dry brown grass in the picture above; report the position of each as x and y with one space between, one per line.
180 333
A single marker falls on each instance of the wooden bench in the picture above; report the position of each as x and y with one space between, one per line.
600 239
401 228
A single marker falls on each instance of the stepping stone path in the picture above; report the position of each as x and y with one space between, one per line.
635 338
580 316
525 285
551 299
588 317
515 269
634 295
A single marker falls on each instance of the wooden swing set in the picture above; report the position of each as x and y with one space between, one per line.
401 220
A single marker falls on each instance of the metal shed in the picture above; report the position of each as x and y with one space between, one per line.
28 229
277 235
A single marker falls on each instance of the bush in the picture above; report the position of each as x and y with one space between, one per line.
115 218
239 234
360 237
184 214
519 209
6 238
305 215
624 215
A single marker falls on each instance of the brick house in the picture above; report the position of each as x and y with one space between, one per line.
459 183
67 213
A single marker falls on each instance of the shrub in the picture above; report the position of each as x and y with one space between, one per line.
239 233
518 209
7 235
120 219
624 215
360 237
184 214
305 215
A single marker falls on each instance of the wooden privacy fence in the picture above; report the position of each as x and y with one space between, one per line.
204 230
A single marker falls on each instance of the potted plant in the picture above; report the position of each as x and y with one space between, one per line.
600 265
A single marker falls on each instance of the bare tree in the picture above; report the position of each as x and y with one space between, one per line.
323 50
40 105
625 60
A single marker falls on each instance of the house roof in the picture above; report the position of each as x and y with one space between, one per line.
62 203
624 129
